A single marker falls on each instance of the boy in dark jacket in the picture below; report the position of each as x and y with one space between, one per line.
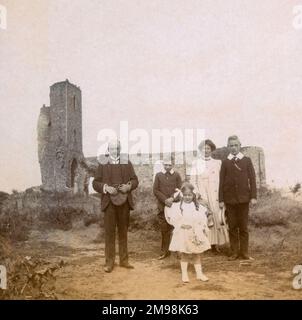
164 187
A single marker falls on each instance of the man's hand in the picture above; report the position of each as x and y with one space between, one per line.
111 190
253 202
169 202
221 205
124 188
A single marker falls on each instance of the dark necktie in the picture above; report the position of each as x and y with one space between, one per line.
235 164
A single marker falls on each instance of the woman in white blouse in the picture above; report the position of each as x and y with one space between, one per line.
205 178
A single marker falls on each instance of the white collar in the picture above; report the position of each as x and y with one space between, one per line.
188 204
239 155
165 171
206 158
114 160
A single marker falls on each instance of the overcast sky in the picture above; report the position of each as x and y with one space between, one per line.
225 66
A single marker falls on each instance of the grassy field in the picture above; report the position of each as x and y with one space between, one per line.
65 253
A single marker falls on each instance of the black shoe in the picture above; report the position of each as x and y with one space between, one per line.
163 256
233 257
126 265
246 257
215 250
108 269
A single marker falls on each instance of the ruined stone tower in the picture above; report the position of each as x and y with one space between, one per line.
60 137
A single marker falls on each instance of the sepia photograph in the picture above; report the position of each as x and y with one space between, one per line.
150 150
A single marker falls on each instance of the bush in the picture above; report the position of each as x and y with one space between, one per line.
14 226
274 210
145 221
60 217
3 197
296 188
5 249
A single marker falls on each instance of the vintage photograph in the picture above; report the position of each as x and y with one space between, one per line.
150 150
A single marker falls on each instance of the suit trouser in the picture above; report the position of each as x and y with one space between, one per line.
166 232
237 215
116 216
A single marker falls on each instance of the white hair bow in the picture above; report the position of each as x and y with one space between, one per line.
177 193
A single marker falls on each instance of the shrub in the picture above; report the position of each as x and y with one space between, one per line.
60 217
296 188
14 226
3 197
274 210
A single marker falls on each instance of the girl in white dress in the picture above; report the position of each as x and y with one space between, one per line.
205 178
190 231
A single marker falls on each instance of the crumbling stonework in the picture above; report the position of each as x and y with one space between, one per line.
63 166
257 156
60 138
144 170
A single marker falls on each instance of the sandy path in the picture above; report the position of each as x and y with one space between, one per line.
83 276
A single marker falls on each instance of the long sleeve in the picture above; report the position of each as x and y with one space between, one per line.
98 184
158 194
173 216
219 163
178 181
252 179
133 177
221 181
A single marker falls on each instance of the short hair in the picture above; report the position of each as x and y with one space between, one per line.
207 142
169 158
233 137
114 142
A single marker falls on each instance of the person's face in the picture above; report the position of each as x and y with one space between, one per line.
188 196
234 146
168 166
206 151
114 150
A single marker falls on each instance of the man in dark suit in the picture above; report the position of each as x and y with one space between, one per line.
116 175
237 188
